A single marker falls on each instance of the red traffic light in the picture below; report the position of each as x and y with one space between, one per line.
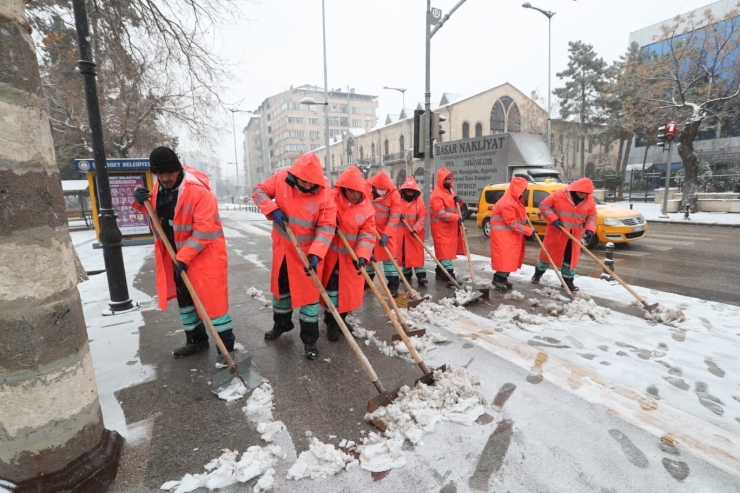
670 131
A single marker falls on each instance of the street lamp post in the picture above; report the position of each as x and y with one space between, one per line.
549 15
407 137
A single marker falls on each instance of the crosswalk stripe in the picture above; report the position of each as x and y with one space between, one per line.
680 237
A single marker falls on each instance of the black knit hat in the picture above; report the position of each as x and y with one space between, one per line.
164 160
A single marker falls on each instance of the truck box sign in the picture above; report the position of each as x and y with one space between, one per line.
484 160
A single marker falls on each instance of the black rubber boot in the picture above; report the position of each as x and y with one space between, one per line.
500 282
333 332
311 351
196 340
569 282
227 337
421 277
393 283
452 274
439 275
347 324
282 323
537 275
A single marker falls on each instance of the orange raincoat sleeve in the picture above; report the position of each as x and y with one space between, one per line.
512 221
366 238
206 227
263 194
326 224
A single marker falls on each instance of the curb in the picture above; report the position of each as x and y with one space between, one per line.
691 223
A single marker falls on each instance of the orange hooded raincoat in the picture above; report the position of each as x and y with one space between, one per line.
508 228
410 252
387 213
200 244
357 222
312 218
448 242
560 205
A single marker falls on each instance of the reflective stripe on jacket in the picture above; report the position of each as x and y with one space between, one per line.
508 226
387 213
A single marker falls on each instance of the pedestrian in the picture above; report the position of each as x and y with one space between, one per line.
508 226
188 212
446 223
410 252
341 276
300 197
387 203
573 208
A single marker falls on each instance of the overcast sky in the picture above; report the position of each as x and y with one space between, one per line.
376 43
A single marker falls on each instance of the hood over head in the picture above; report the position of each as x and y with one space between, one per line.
584 185
352 178
442 173
381 181
517 186
410 184
308 168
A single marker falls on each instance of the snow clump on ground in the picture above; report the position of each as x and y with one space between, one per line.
319 461
551 293
667 316
580 309
514 295
226 470
455 397
422 344
429 312
511 314
259 295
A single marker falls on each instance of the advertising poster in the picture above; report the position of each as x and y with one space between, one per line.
130 221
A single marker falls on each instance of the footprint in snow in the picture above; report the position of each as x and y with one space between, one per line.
677 382
653 391
706 323
630 450
678 335
663 346
676 468
575 342
587 355
714 369
708 400
502 396
535 376
673 370
603 348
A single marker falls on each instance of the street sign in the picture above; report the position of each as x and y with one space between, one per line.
114 164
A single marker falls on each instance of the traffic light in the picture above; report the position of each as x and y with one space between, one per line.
670 132
661 138
419 134
437 130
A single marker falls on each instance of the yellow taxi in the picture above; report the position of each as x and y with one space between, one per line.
614 224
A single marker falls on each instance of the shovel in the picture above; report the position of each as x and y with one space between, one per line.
549 258
457 285
221 379
611 273
371 285
485 291
410 292
384 397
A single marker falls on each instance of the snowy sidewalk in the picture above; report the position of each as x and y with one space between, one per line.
651 211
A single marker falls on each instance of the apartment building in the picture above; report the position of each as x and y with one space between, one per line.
283 128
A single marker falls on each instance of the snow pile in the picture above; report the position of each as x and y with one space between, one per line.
581 309
667 316
235 391
319 461
533 302
227 470
455 397
259 404
510 314
551 293
465 295
422 344
269 430
259 295
514 295
429 312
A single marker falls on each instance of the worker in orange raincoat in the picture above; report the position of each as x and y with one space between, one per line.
387 203
356 220
572 207
299 196
410 252
508 226
446 233
188 212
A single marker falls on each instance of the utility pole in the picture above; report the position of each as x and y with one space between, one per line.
110 234
434 18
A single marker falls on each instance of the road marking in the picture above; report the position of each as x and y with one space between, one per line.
680 237
651 241
632 254
716 446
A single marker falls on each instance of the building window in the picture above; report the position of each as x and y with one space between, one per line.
356 123
372 149
386 146
369 111
362 153
343 108
513 119
314 134
466 130
400 143
498 118
356 110
313 121
334 120
295 119
478 129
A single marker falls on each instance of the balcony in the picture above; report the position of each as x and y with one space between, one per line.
394 158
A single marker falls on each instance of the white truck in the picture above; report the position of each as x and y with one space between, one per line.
492 159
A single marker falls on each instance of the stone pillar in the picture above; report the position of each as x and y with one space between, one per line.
51 427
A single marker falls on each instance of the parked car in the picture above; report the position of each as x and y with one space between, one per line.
614 224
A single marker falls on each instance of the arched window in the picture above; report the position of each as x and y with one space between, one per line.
362 153
350 149
479 129
466 130
386 146
513 119
372 149
332 160
400 178
498 118
400 142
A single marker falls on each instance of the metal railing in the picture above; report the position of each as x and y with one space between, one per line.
394 158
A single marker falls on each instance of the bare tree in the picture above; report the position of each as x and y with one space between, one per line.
695 79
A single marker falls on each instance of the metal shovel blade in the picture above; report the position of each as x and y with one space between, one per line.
224 377
382 399
476 295
410 333
428 379
650 307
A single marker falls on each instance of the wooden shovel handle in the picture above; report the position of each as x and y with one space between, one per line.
353 344
441 267
196 300
394 321
607 269
467 249
549 257
398 269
